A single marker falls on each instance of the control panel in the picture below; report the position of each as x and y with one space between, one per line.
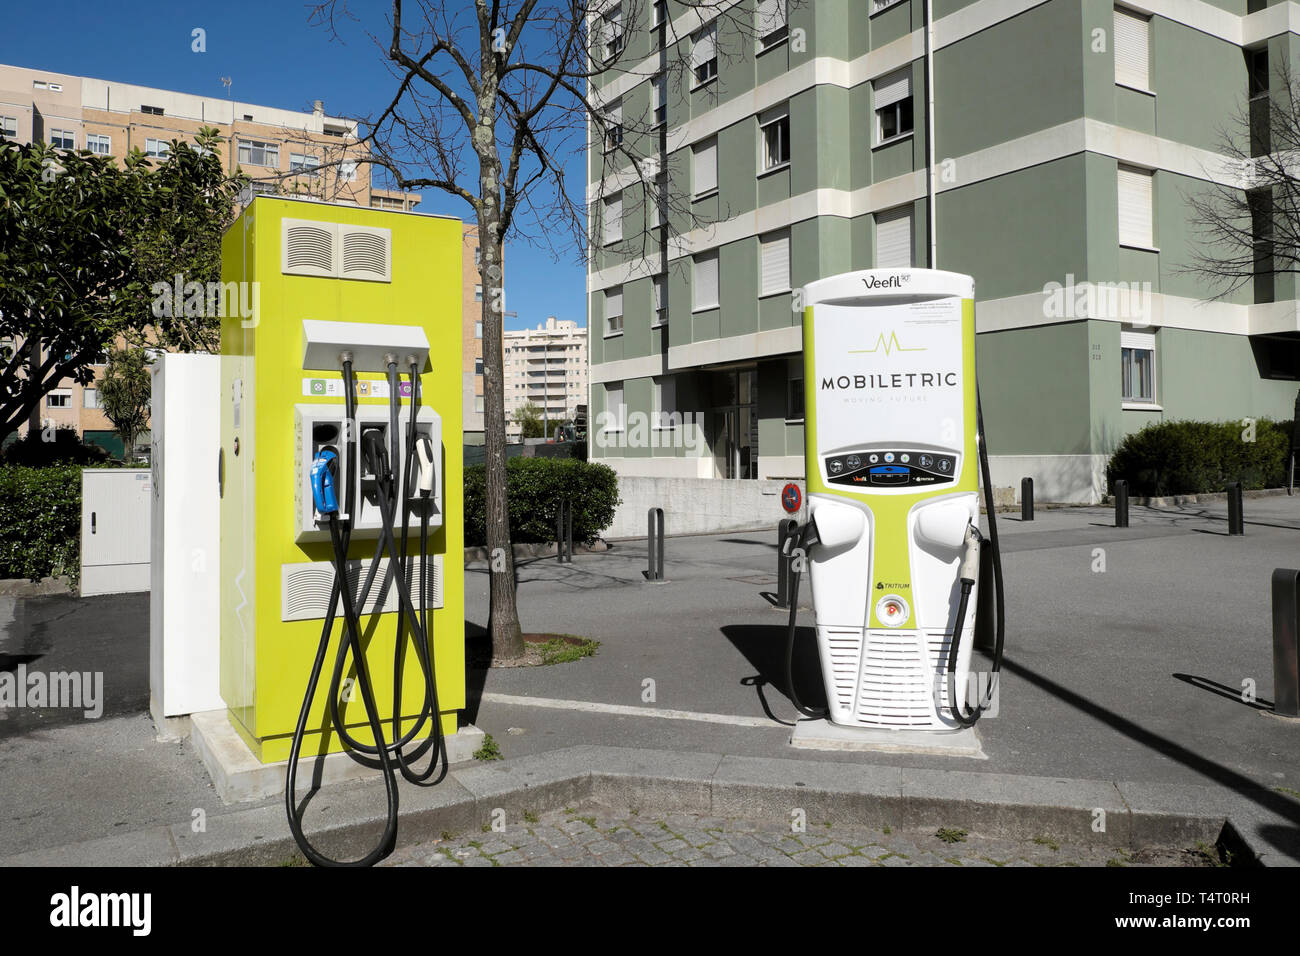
891 469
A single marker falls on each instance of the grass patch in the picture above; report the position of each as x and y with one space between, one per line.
1287 791
531 816
1047 842
489 750
560 651
951 834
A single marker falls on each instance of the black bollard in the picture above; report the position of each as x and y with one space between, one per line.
1236 515
1026 499
1121 504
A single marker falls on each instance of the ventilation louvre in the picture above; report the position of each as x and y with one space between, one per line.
308 249
305 588
366 254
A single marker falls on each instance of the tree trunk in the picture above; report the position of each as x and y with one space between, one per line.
503 616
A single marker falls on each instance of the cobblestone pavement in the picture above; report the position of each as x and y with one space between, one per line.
593 836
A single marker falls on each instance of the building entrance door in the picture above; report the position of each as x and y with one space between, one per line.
734 423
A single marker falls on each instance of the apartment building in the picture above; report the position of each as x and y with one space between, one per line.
545 367
281 150
1046 147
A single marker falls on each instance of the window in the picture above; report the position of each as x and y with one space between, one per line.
152 110
39 85
613 219
98 144
1132 44
659 98
59 399
478 330
90 398
262 188
893 95
157 148
774 256
478 293
63 139
347 169
794 400
614 311
478 256
878 5
614 126
1257 89
704 168
665 400
704 281
894 239
1138 367
478 403
478 366
614 407
775 135
1260 202
9 127
1135 192
772 27
704 54
304 163
658 12
613 31
659 300
255 153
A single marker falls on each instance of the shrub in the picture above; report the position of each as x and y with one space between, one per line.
40 521
534 489
1187 458
35 451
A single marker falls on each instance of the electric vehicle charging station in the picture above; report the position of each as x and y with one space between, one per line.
894 449
340 396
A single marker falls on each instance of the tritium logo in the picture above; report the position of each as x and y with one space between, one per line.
75 908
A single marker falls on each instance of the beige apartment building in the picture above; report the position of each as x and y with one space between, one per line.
286 151
546 367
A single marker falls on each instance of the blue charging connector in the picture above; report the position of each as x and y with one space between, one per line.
323 477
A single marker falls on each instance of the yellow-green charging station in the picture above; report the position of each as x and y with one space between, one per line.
380 287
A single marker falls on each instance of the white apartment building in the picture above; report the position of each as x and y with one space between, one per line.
547 367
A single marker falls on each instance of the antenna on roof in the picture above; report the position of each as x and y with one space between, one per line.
225 81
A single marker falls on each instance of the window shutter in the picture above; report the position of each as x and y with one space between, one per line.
890 89
1131 49
614 218
771 16
704 48
894 239
614 302
776 263
658 293
1135 195
705 284
657 89
706 167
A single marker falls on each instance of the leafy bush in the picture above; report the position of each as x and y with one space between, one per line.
33 450
534 489
40 521
1187 458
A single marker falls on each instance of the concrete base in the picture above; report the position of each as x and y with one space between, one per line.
823 735
168 728
239 777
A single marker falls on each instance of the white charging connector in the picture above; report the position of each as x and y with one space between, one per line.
970 561
424 462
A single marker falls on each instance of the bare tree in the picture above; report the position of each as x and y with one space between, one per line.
492 99
1248 218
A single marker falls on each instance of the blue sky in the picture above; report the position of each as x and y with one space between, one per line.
274 57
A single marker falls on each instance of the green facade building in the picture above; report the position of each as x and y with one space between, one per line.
1068 138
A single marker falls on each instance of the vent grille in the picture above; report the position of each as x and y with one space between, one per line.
896 687
305 588
309 250
365 255
845 646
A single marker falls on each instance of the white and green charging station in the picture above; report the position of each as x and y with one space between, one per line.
892 469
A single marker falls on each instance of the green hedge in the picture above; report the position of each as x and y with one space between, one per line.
1187 458
40 521
534 488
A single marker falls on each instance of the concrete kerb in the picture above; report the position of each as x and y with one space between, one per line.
998 805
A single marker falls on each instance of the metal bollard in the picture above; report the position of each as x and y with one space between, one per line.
1286 626
1236 515
785 529
564 532
1026 499
1121 504
655 544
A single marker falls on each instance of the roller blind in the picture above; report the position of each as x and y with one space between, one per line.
704 287
771 16
657 92
894 239
776 263
892 88
1131 49
705 47
706 167
614 218
1135 195
614 302
658 292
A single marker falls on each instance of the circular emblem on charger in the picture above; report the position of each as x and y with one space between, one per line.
891 611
